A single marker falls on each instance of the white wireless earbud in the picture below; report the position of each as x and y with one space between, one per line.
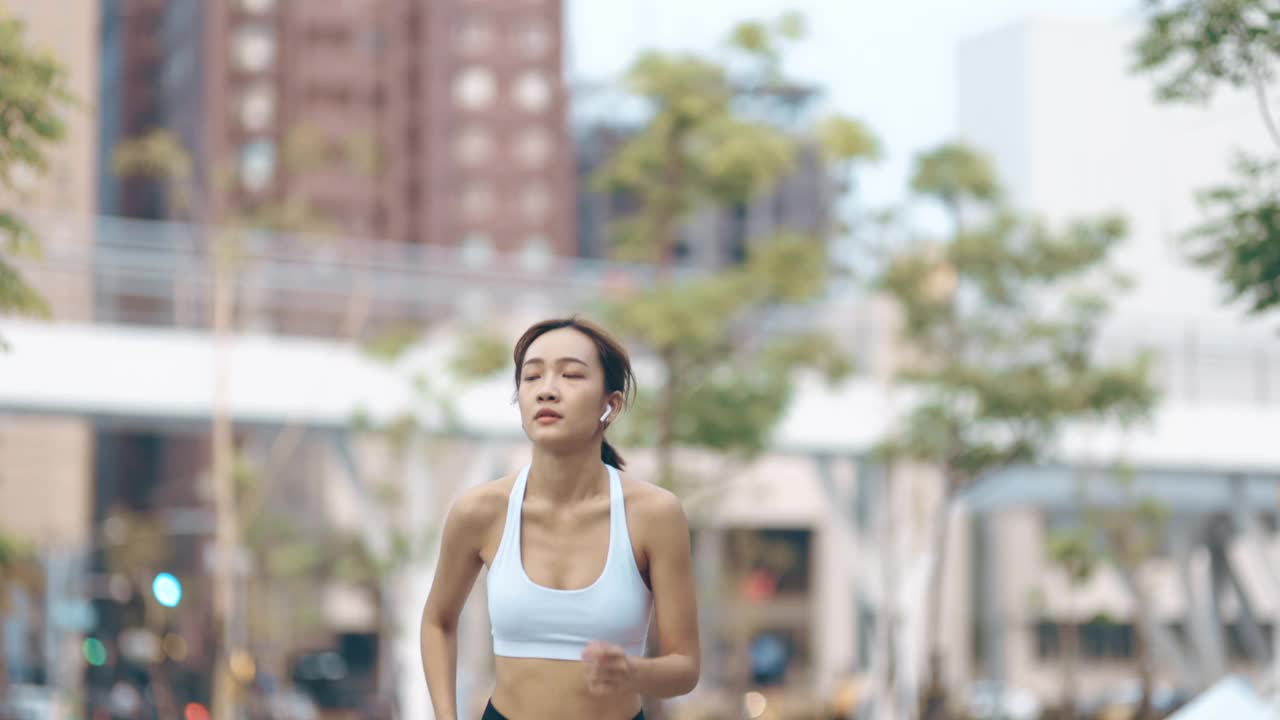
607 410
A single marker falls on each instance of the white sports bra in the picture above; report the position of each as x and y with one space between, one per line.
532 621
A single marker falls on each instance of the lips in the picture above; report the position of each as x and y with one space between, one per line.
547 414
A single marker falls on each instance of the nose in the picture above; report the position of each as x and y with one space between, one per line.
548 393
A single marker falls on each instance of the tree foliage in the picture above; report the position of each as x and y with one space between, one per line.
1193 48
1241 237
34 97
20 570
720 133
1000 321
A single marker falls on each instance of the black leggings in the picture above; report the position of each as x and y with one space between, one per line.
490 713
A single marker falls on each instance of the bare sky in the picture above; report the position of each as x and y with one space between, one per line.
890 64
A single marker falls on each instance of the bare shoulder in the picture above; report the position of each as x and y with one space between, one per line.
479 507
652 505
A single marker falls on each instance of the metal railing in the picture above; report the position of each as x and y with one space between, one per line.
160 273
123 271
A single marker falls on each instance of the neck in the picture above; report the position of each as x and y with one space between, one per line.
566 476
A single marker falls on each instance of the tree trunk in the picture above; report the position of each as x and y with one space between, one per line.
1070 659
667 213
665 230
886 696
161 687
1142 642
226 535
934 695
4 656
388 671
666 411
1146 665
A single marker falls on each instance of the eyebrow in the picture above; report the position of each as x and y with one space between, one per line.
558 361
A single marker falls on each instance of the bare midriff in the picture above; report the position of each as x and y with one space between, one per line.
537 689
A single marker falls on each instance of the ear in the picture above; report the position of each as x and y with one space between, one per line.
613 406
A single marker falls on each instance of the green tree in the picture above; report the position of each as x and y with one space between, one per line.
20 571
1131 534
1193 48
160 155
34 95
999 322
718 134
1073 551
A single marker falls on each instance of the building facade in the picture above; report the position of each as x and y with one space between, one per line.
48 455
436 122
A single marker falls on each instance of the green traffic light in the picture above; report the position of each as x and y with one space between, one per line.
95 653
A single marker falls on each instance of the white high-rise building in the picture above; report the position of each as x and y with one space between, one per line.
1074 131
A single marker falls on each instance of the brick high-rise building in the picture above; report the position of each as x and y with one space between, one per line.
461 101
43 457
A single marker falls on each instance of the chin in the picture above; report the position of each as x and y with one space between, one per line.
557 438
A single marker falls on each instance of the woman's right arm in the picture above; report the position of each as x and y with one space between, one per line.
456 569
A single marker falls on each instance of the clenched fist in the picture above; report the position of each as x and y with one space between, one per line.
607 668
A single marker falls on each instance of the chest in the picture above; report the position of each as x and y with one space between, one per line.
568 549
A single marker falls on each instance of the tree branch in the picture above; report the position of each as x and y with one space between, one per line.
1260 93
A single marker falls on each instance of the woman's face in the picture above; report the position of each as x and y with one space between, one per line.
562 393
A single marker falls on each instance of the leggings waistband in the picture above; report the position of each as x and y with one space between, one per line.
491 713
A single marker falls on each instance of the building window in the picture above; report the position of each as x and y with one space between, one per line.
257 165
533 39
477 249
1098 639
329 35
1048 642
474 88
533 147
535 201
866 637
532 91
254 48
766 563
477 200
258 7
257 107
475 36
772 653
536 253
373 42
473 146
1238 641
328 94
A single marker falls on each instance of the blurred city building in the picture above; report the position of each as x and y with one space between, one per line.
458 106
46 459
811 561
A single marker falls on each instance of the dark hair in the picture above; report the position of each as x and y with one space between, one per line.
613 358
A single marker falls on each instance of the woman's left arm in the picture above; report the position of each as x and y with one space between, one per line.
675 613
